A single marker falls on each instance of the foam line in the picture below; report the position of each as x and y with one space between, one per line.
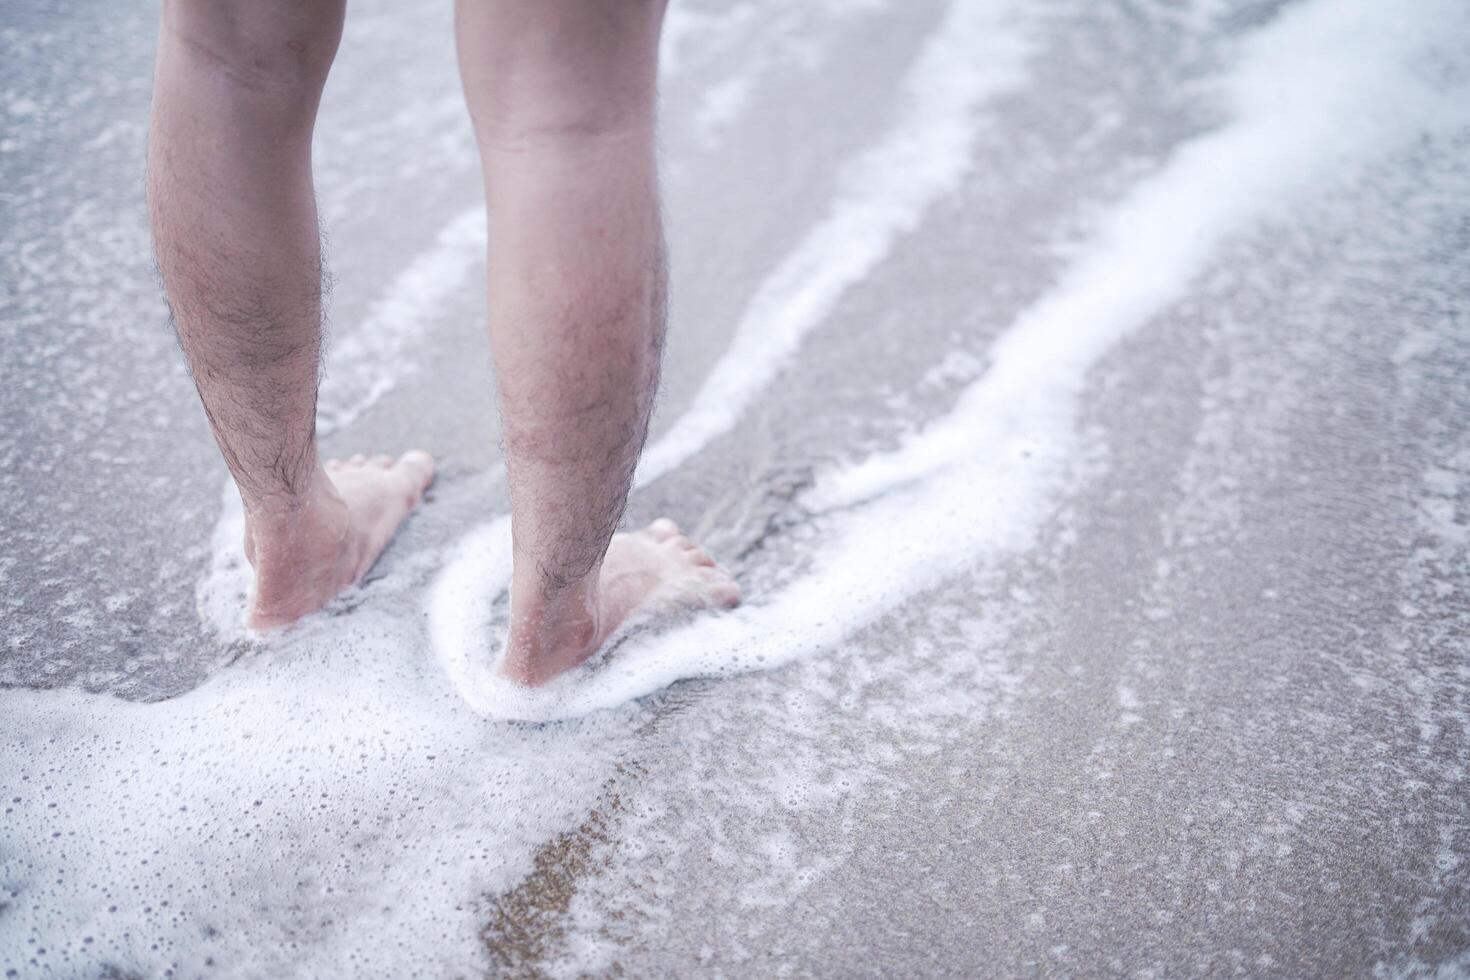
369 362
459 604
882 195
1323 90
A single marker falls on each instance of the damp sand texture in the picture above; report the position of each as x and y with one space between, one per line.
1080 391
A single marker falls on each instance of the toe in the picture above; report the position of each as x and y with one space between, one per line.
420 464
727 594
383 460
701 557
681 542
663 529
357 459
332 465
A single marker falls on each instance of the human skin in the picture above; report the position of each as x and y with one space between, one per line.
562 95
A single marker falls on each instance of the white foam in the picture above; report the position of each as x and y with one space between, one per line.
222 593
476 576
1326 87
322 807
980 483
883 194
331 805
686 34
369 362
722 105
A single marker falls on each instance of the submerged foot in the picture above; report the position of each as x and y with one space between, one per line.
305 558
656 571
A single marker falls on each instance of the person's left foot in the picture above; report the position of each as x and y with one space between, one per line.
328 542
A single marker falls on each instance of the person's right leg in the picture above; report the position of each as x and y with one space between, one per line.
230 195
562 93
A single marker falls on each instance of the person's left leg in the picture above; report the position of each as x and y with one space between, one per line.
230 196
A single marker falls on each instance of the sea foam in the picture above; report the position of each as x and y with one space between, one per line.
979 483
882 195
338 802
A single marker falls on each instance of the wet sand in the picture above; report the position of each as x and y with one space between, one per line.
1081 394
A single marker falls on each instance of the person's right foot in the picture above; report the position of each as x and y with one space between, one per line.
305 558
654 570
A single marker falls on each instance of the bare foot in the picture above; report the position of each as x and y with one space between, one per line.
304 558
653 570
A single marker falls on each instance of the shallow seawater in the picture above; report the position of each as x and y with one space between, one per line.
1080 392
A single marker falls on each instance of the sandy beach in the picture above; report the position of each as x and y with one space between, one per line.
1079 391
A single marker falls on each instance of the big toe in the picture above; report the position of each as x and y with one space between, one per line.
663 529
419 465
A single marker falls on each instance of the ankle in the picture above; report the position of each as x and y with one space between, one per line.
290 528
551 631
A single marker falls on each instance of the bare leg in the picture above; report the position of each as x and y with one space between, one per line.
562 95
230 195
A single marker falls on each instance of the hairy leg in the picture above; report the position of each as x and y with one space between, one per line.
237 84
562 94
